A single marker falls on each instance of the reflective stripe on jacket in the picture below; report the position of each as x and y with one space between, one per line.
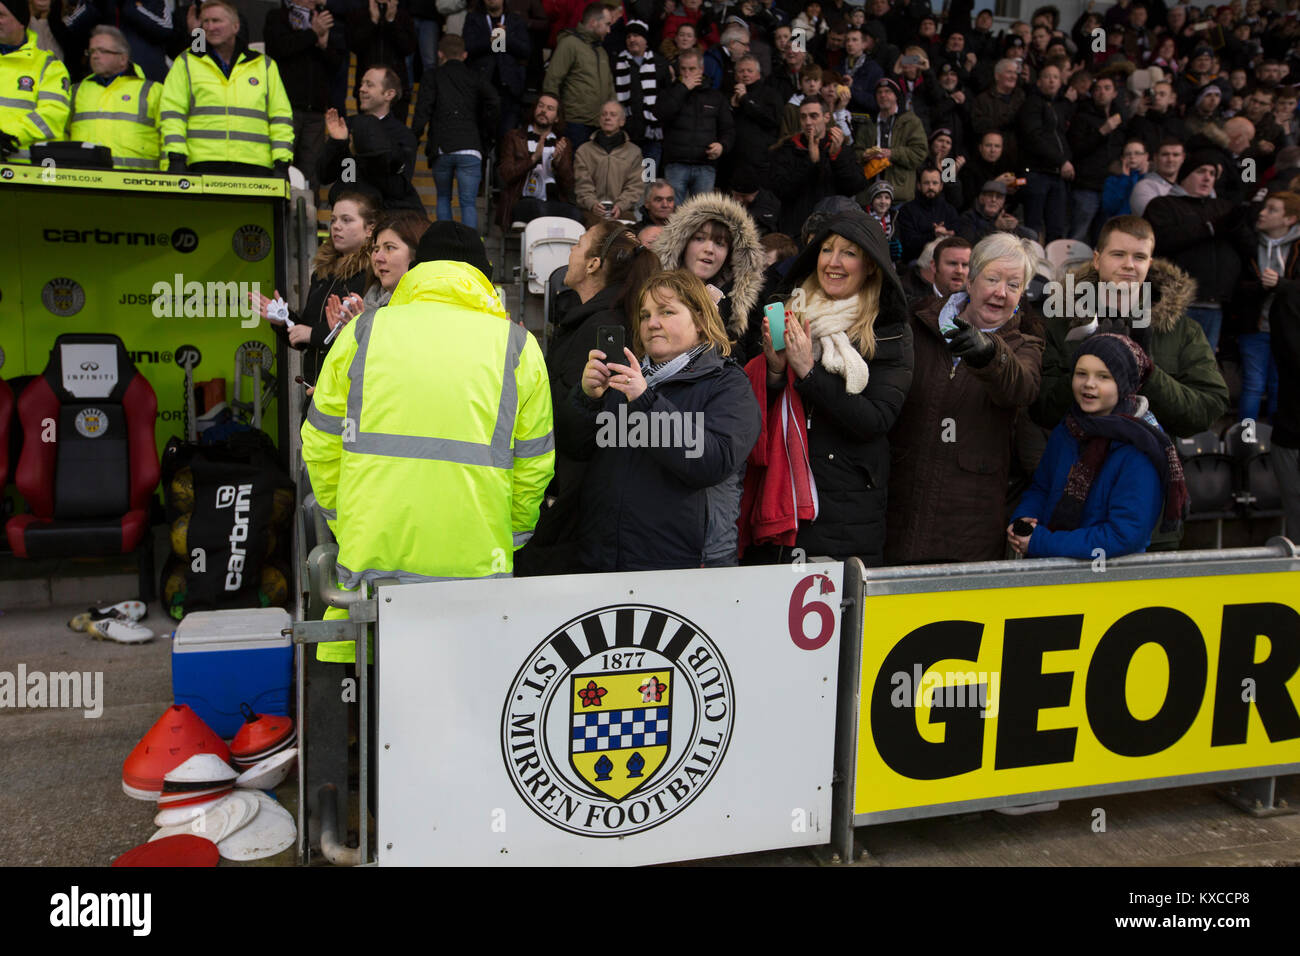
429 439
33 96
245 118
122 116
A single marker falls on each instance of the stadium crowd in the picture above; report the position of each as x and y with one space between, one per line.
891 177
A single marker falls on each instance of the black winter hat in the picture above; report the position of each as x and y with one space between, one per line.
456 241
20 10
1198 158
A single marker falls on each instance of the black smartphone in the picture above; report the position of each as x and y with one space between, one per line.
609 339
1022 527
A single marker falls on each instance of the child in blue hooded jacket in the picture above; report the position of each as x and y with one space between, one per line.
1108 468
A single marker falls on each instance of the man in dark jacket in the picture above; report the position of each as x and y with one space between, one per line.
997 107
383 38
1096 141
536 169
861 71
761 204
1045 152
498 46
812 165
1158 120
381 148
1200 234
698 129
987 161
928 216
989 215
460 109
758 121
308 48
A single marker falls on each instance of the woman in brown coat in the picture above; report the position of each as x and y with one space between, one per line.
951 447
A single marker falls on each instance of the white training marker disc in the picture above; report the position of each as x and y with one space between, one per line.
269 773
271 832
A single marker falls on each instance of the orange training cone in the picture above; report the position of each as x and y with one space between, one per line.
178 735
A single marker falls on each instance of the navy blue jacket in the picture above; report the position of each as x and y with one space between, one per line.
500 69
650 509
1123 505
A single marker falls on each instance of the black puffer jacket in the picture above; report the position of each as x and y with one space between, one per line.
1092 149
692 119
1044 147
649 509
1200 235
847 434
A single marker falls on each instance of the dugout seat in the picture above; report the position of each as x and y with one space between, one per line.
89 463
6 420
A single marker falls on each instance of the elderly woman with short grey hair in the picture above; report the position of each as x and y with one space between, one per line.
976 367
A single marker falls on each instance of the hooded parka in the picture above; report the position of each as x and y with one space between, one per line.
848 440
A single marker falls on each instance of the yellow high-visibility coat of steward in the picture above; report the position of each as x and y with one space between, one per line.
122 115
429 441
243 118
34 92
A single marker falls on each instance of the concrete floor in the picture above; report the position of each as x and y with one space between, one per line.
61 801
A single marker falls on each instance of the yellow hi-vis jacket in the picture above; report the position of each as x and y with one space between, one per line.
122 115
208 117
428 440
33 96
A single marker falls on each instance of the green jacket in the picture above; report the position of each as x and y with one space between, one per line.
908 148
579 75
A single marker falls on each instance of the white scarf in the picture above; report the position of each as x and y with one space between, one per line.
829 322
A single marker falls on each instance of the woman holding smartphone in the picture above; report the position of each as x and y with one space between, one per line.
667 500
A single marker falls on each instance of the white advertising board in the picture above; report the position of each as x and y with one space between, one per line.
617 719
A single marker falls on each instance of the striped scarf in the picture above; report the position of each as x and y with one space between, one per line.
641 94
551 140
659 372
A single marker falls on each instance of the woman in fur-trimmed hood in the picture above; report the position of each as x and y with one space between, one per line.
1186 391
714 237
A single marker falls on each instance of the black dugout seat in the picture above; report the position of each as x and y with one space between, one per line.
89 462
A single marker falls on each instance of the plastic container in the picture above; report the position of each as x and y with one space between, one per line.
222 659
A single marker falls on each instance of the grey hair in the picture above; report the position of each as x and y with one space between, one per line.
656 184
1006 66
116 35
926 258
998 246
753 59
733 33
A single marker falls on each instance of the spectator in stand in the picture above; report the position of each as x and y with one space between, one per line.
698 129
1161 180
1157 117
151 29
974 370
1109 472
757 111
949 166
1233 184
1186 391
918 278
720 60
862 72
989 215
659 204
460 109
812 165
114 106
341 268
71 24
1123 179
225 111
988 162
1096 141
497 46
1284 113
713 238
840 380
1258 108
788 76
607 169
896 135
997 107
640 78
1203 116
536 168
383 38
678 42
1200 234
381 148
951 270
947 104
662 507
777 247
1045 150
810 21
928 216
761 203
309 49
1284 326
691 13
578 74
1272 273
810 87
607 268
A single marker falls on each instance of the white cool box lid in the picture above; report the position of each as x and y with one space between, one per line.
234 630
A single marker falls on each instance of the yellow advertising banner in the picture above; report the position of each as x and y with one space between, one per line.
980 694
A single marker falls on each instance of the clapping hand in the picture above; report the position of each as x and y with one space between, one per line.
336 126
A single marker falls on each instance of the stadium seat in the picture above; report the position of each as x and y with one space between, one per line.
1207 442
89 462
1259 494
554 289
1064 253
1211 478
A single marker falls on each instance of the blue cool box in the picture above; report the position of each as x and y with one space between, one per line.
221 659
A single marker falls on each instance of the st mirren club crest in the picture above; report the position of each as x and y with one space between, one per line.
617 721
63 297
251 243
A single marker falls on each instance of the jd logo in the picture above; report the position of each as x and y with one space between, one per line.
617 721
184 239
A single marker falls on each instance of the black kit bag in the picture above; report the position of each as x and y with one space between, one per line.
228 534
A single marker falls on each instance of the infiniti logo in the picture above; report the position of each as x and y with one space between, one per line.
90 366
